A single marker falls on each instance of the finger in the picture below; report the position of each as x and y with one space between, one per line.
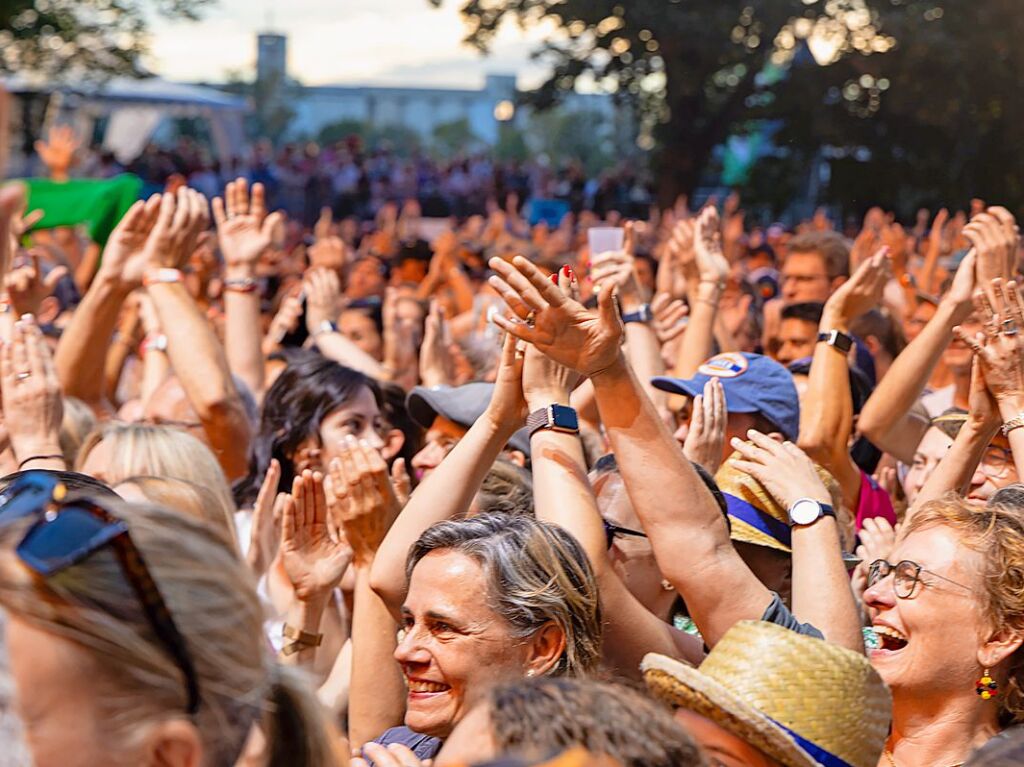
718 401
405 756
516 330
752 467
289 521
400 479
268 489
381 756
19 352
697 419
271 223
298 489
31 337
219 216
608 308
258 206
660 302
151 212
168 205
318 498
764 442
512 298
526 291
1015 303
242 197
536 277
968 339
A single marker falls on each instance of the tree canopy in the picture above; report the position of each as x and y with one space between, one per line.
904 88
82 38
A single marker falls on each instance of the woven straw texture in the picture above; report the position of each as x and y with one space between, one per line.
741 485
759 671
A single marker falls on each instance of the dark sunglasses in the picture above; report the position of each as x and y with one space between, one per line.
610 531
66 532
906 576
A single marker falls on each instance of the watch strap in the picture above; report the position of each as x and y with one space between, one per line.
642 314
837 338
544 418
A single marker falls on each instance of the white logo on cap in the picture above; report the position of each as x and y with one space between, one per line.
728 365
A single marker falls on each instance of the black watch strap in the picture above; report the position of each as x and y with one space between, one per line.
642 314
837 338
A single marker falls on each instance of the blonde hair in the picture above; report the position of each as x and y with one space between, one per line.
996 532
159 451
212 599
189 498
77 423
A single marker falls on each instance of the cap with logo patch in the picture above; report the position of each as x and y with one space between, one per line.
752 383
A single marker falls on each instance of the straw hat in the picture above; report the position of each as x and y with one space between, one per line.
755 516
800 700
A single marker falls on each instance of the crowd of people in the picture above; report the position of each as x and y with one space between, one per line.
357 181
346 494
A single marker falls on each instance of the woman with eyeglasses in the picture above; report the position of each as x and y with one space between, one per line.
134 637
948 607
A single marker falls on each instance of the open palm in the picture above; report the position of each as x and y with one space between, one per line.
314 560
562 329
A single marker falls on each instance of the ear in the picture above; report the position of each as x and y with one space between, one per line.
49 309
394 441
174 743
545 649
518 457
873 345
1000 646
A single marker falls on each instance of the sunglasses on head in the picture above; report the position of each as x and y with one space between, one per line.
610 531
67 531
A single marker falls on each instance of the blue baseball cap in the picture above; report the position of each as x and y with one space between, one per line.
752 383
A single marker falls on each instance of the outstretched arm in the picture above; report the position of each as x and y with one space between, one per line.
718 587
450 488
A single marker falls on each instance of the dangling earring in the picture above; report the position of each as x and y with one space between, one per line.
666 585
987 687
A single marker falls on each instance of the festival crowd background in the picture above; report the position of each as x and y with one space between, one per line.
335 458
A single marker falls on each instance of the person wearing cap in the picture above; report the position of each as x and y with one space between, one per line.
759 394
677 511
767 697
447 413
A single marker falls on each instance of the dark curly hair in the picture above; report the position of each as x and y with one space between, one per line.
309 389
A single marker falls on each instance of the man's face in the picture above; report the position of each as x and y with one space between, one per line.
440 440
736 425
796 340
804 279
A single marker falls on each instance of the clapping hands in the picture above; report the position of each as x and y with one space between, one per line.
313 550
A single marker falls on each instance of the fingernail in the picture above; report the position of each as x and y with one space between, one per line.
27 318
554 278
567 271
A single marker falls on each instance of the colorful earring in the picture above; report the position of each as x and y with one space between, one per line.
987 687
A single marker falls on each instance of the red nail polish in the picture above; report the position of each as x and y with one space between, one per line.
554 278
567 271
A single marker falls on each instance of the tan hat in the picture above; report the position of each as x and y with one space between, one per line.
800 700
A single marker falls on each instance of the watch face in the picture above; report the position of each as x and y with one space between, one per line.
805 511
564 418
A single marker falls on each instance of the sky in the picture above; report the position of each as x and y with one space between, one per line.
392 42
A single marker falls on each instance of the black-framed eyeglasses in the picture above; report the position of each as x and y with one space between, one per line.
610 531
68 531
906 576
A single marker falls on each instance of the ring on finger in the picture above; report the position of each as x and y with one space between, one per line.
19 377
1009 327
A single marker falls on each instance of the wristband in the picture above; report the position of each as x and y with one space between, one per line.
301 640
836 338
554 417
642 314
242 285
163 275
1014 423
325 327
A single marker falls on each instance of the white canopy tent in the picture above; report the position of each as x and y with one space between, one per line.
135 109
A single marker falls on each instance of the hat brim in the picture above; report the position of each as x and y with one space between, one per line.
423 408
692 387
685 687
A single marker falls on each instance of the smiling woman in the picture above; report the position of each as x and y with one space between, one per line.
491 599
955 565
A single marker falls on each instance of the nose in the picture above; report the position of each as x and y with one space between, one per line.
881 594
427 458
978 478
372 438
681 432
410 651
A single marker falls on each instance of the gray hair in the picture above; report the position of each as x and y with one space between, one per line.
536 574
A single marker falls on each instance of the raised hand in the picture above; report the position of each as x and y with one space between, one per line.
58 151
323 298
123 258
12 200
313 555
995 238
363 502
862 292
705 441
712 265
171 241
507 409
546 382
999 350
266 512
244 229
586 341
401 340
437 365
782 468
27 287
669 317
33 404
285 321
